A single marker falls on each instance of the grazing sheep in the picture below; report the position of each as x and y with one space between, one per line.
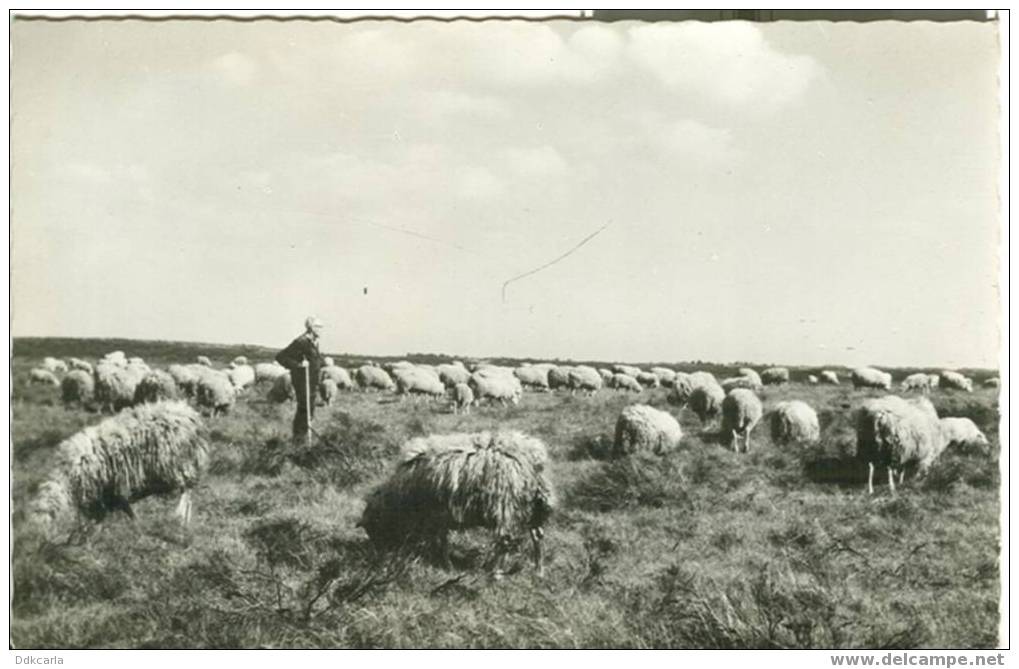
741 411
449 482
533 376
282 390
373 378
935 380
77 386
649 380
54 365
629 370
269 371
895 433
242 360
774 376
744 382
918 381
418 381
684 385
185 377
204 361
115 358
955 381
706 401
749 373
642 428
452 374
338 375
115 385
495 386
157 386
137 361
812 379
149 449
559 377
585 379
868 377
623 382
962 432
665 376
78 363
215 392
606 376
992 382
327 390
241 375
43 376
829 377
463 398
794 421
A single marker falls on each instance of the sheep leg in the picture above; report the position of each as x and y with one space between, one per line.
902 475
184 507
536 544
735 442
747 449
891 479
870 478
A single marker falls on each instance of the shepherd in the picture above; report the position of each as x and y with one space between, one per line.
303 359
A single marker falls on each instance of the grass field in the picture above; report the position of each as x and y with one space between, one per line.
778 548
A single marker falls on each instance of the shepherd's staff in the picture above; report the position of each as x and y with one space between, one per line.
307 396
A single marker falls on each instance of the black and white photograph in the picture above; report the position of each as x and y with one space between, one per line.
602 329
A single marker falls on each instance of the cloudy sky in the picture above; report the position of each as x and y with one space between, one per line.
797 193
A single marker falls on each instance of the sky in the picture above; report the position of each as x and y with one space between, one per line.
787 193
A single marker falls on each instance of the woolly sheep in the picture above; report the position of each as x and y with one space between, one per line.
215 392
955 381
78 363
962 432
684 385
463 398
559 377
241 375
794 421
243 360
155 386
54 365
269 371
502 387
649 380
744 382
185 377
935 380
204 361
623 382
373 378
706 401
115 358
418 381
868 377
115 385
77 386
585 379
327 390
643 428
812 379
992 382
282 390
497 481
918 381
774 376
749 373
148 449
629 370
453 374
892 432
136 360
533 376
43 376
829 377
665 376
339 376
741 411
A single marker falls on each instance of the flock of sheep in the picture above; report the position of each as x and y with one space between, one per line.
496 480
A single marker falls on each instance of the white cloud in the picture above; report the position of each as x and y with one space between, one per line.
543 161
235 68
729 62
